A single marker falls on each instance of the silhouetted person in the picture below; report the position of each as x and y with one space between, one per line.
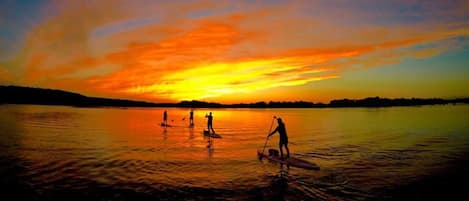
165 118
283 137
209 122
191 117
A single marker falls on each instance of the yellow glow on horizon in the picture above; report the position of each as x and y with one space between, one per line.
218 79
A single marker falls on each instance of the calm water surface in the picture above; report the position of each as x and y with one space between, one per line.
55 152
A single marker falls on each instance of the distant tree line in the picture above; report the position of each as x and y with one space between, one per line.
28 95
387 102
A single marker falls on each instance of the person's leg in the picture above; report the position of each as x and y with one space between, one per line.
211 127
281 151
288 151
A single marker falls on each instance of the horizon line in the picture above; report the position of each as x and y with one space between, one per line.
252 104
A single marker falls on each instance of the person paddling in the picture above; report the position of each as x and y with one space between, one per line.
209 122
283 137
191 118
165 118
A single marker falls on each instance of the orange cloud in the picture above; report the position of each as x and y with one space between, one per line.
204 50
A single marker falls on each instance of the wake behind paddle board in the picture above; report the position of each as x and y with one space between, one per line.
291 161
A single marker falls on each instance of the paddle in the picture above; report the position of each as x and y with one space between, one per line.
267 138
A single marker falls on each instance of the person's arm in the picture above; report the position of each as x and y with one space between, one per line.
273 132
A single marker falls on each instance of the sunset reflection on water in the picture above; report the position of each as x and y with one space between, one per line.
358 149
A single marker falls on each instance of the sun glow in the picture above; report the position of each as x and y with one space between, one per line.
218 79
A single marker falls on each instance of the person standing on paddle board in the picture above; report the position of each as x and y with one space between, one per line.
209 122
283 137
165 118
191 117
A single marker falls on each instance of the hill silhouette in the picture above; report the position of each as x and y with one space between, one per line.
40 96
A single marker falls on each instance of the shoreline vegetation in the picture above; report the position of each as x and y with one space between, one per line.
40 96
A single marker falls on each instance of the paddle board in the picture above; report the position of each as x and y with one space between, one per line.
295 162
165 125
214 135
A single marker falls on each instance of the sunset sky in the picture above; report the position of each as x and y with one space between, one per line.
238 51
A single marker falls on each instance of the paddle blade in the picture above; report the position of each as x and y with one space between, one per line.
260 155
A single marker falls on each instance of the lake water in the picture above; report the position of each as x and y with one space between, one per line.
68 153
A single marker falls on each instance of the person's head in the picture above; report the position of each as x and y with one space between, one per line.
279 120
210 113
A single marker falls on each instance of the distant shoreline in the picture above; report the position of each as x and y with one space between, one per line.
40 96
